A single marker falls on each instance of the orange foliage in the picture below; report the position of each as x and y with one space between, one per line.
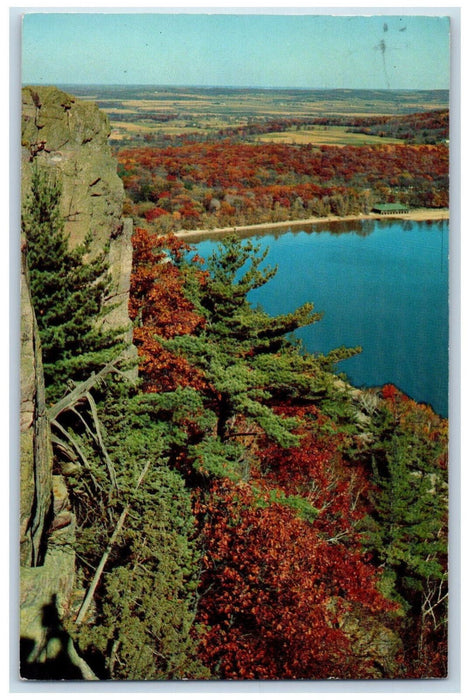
250 180
159 307
417 418
277 587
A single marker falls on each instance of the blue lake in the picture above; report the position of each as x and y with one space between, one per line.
381 285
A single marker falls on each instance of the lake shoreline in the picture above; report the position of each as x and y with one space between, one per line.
383 287
414 215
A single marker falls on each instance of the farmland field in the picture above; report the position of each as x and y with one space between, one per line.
326 135
153 112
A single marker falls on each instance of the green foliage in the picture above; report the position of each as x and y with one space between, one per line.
146 608
244 353
300 505
234 271
211 456
68 294
407 528
142 625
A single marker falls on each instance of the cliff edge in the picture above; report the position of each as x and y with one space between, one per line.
70 138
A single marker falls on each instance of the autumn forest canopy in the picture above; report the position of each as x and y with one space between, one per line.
211 185
261 518
211 157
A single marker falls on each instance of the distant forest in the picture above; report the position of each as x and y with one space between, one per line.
398 98
227 184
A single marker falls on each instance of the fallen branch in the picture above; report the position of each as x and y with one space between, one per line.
77 449
99 438
80 391
99 571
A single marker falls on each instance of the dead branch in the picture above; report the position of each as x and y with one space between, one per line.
77 449
96 578
99 439
80 390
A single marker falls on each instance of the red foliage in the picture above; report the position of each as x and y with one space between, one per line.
276 590
159 308
154 213
389 391
243 166
277 587
316 471
419 419
262 177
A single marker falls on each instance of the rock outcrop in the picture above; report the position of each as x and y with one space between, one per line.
35 438
70 138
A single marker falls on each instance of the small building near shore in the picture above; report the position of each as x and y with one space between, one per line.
393 208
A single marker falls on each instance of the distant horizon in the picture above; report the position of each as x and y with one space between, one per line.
231 87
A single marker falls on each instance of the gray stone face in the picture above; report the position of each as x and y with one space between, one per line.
35 442
69 138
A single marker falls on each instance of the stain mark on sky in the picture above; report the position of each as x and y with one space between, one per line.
382 47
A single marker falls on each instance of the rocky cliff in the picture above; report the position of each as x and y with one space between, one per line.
71 137
68 137
35 447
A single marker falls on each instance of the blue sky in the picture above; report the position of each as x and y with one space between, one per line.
257 50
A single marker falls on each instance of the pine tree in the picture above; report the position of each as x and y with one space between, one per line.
407 527
68 294
245 354
136 541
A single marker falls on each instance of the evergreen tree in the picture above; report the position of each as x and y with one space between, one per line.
142 621
246 355
68 294
407 526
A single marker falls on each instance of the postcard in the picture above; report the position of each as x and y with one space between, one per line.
234 346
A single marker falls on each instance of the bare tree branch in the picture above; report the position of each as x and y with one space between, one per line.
96 578
99 439
79 392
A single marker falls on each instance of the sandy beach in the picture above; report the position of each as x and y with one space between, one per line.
414 215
